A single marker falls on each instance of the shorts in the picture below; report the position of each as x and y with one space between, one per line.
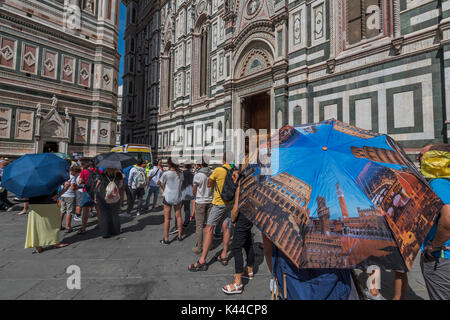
78 196
68 206
219 214
86 200
168 204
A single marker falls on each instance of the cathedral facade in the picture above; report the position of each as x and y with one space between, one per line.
59 70
381 65
141 73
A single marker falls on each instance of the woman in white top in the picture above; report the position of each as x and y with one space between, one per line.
170 183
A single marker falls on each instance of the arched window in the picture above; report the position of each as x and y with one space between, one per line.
204 62
132 45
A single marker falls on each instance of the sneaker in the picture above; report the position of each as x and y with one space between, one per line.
179 239
138 214
369 296
174 230
196 250
76 218
92 214
164 242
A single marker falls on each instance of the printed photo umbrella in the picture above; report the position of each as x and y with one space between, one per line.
337 196
114 160
35 175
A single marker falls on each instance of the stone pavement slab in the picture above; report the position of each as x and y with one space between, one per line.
133 265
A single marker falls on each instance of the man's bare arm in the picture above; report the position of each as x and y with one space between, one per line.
443 228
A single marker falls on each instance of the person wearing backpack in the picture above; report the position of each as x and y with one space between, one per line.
89 178
107 197
170 184
224 190
137 182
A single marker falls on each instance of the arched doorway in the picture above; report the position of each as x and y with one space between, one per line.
253 98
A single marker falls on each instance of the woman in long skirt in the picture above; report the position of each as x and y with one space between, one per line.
44 223
110 221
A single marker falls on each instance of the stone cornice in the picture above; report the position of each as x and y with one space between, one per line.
22 21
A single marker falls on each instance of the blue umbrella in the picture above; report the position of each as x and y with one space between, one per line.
35 175
337 196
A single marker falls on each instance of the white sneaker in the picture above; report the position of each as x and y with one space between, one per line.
371 297
76 218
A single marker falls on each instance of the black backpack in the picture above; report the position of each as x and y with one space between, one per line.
229 187
91 184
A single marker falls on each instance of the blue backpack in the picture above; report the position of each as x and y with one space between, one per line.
308 284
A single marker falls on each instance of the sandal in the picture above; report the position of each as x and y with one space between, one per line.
223 261
248 275
38 250
199 267
236 290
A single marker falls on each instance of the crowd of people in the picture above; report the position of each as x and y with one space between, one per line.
204 195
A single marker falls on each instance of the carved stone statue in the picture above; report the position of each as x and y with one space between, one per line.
38 111
54 101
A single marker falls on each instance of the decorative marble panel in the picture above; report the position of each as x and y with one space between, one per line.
188 83
104 132
24 125
30 58
81 130
107 79
68 69
49 67
84 74
8 52
318 25
214 70
5 122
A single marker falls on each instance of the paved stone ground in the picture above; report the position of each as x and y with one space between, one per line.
132 266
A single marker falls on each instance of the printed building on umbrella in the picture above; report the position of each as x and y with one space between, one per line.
281 212
407 200
59 69
262 64
278 206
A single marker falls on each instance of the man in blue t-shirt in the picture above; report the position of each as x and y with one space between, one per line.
435 258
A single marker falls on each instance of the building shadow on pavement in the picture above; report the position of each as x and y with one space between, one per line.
144 220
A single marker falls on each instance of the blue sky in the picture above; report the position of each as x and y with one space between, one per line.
122 25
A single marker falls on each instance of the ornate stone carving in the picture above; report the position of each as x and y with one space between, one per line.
253 6
49 65
29 59
68 70
331 64
397 45
54 101
103 133
84 74
7 52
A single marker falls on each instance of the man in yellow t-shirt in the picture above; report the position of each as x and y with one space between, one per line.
220 213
